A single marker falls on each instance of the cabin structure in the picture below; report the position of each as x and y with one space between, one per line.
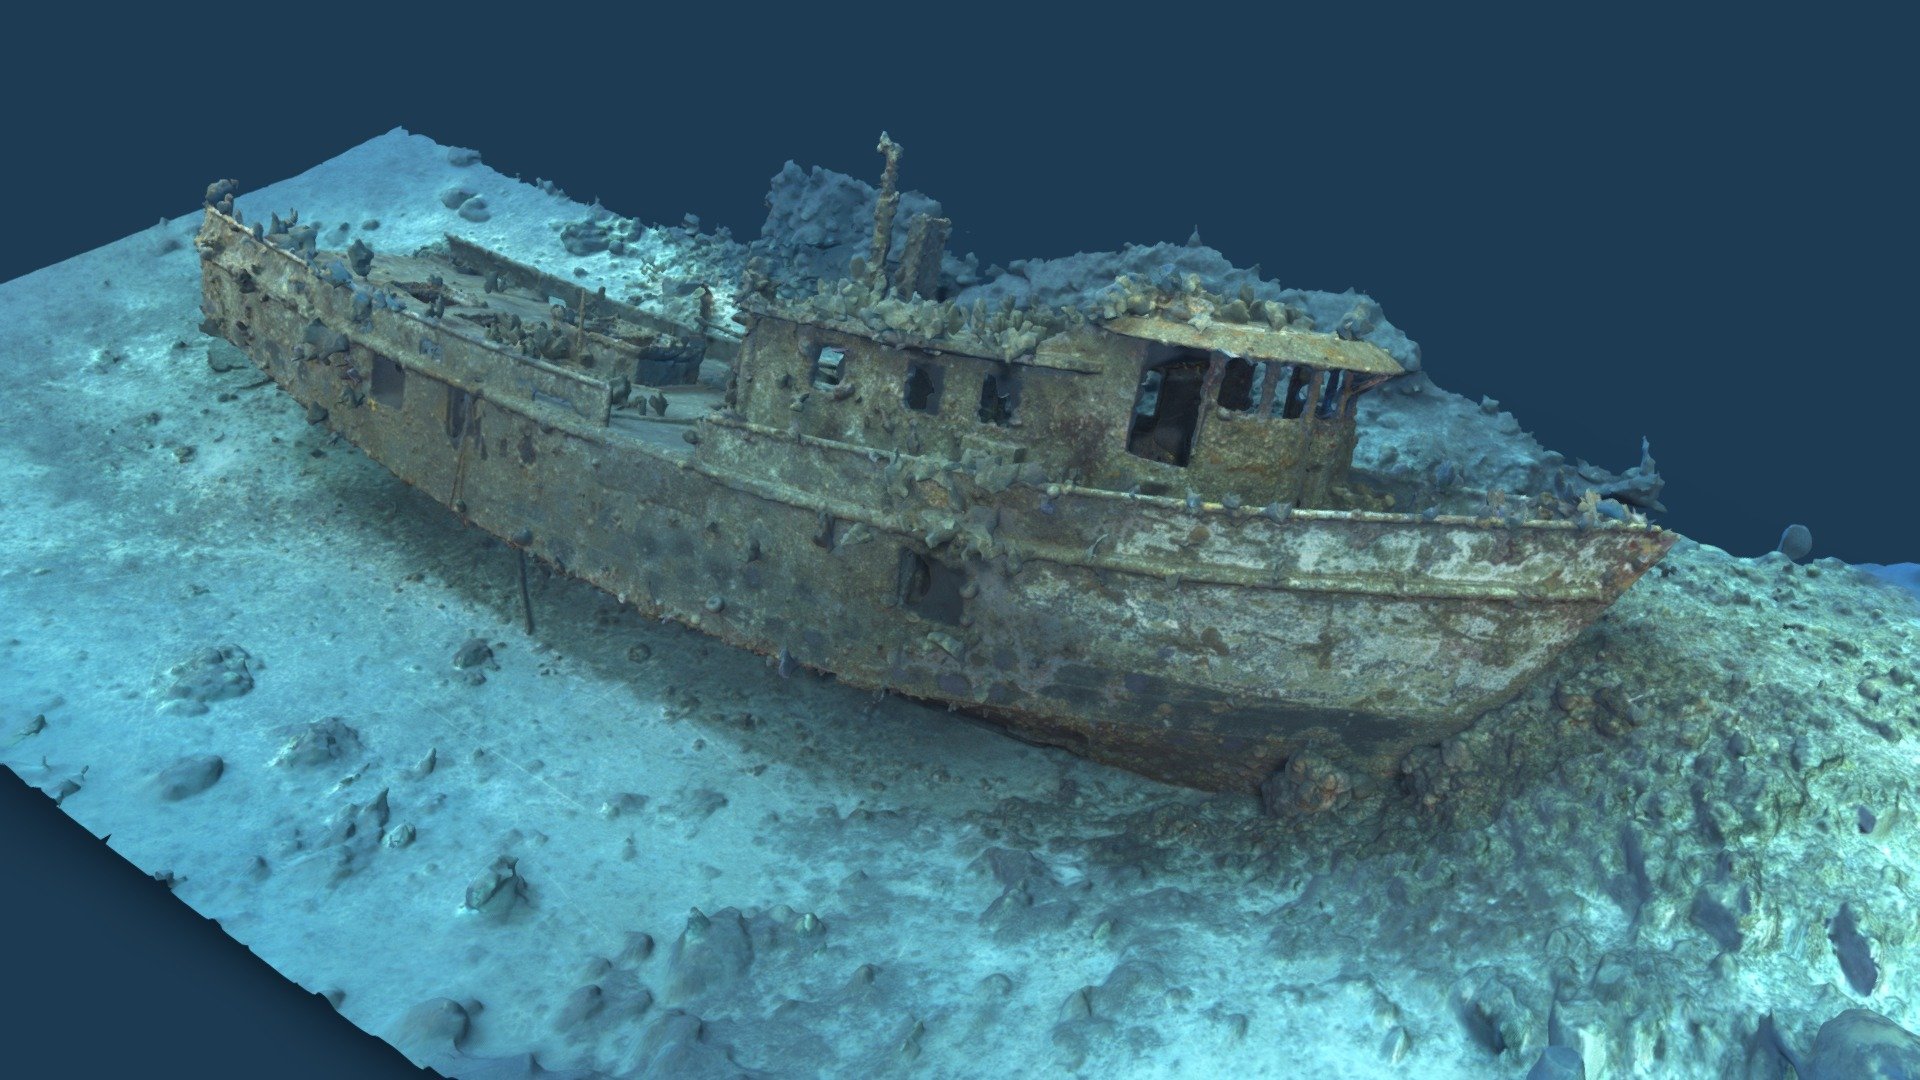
1140 404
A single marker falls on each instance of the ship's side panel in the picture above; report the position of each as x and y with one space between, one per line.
921 402
979 509
1199 646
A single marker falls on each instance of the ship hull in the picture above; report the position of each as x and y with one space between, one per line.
1202 646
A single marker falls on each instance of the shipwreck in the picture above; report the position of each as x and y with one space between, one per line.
1131 532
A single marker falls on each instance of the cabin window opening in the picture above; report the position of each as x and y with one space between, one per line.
1330 395
1296 400
389 382
459 402
923 386
930 589
1240 384
829 367
999 396
1166 408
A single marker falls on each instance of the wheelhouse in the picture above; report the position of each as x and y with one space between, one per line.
1140 404
1267 414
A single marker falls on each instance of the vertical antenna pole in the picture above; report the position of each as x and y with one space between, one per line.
580 326
884 207
526 598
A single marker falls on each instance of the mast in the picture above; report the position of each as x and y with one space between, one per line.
884 207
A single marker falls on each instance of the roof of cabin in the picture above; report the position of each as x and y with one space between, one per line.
903 339
1257 341
1253 341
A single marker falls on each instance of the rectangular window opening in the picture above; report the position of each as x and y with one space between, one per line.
999 396
389 383
829 367
1166 408
459 402
1298 386
923 386
931 589
1241 383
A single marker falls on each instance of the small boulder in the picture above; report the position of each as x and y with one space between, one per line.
438 1024
1308 784
711 952
1559 1063
474 652
189 775
1859 1044
498 891
215 673
474 659
319 743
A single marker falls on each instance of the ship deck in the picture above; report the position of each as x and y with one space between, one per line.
474 294
637 422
